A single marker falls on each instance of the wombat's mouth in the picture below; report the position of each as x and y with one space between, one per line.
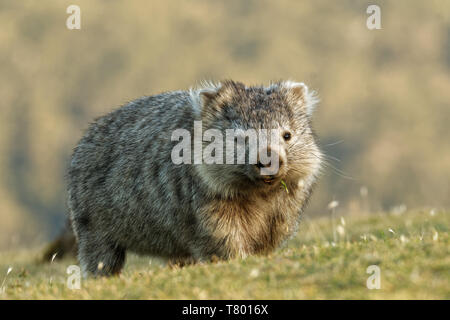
269 179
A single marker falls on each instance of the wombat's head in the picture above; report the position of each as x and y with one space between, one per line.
256 138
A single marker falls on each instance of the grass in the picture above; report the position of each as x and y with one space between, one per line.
411 250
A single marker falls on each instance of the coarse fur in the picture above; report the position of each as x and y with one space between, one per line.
125 193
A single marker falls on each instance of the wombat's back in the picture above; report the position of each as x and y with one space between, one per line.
123 184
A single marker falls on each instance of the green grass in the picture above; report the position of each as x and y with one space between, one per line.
413 258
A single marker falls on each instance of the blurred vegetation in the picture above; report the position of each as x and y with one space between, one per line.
384 112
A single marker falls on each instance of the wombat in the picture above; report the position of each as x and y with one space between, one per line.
63 245
126 193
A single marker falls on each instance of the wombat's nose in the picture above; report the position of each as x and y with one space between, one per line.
271 154
260 165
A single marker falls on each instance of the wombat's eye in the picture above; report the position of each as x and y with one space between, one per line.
287 136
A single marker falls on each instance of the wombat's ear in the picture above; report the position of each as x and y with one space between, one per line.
208 96
205 95
301 96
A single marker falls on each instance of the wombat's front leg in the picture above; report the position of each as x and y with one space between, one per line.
187 261
100 258
181 262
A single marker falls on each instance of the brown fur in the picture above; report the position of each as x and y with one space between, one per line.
253 225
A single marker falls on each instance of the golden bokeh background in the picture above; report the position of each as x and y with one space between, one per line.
384 112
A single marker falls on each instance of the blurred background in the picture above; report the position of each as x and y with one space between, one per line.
383 119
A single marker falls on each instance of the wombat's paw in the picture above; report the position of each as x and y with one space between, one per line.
101 260
176 263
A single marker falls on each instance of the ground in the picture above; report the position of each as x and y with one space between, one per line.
410 248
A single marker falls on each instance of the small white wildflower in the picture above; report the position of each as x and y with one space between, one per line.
364 237
100 265
254 273
340 229
399 210
363 191
343 221
403 238
435 236
2 287
432 212
333 204
391 231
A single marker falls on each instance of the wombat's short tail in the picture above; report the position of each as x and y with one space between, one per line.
64 245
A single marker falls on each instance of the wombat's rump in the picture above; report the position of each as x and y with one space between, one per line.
125 192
